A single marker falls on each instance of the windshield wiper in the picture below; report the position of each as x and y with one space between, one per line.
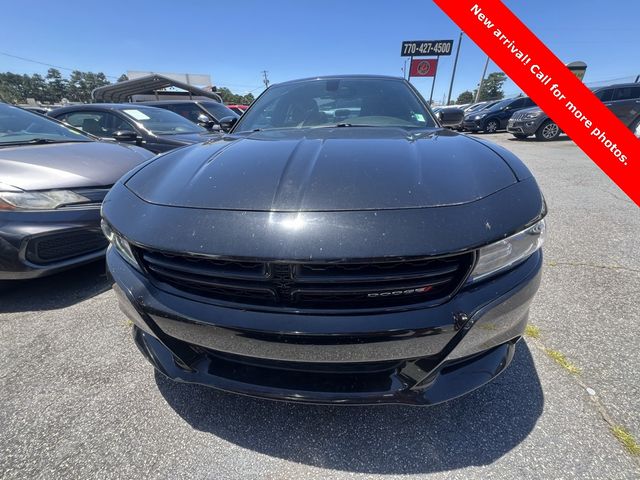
38 141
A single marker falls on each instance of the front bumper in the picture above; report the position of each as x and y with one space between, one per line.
34 244
420 356
524 127
472 125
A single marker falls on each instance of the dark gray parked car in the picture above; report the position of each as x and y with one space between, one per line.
450 116
52 182
155 129
533 121
496 117
622 99
206 113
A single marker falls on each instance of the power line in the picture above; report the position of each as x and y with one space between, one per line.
47 64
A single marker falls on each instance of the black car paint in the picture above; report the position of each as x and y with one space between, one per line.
398 194
197 107
145 139
500 113
291 170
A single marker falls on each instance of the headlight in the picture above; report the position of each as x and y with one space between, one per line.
44 200
478 117
504 254
533 115
119 243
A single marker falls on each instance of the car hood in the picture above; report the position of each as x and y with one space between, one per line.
530 110
325 169
189 138
67 165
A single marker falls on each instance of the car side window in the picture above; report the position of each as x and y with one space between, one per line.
517 104
626 93
605 95
529 103
100 124
187 110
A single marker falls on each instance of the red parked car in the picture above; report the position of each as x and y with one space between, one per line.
239 109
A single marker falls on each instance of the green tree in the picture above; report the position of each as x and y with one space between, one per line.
123 78
36 87
492 87
81 84
56 86
232 98
465 97
16 88
248 99
11 87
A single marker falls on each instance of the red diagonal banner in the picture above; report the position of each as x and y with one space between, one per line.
542 76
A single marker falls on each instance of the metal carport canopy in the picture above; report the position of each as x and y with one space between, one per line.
122 91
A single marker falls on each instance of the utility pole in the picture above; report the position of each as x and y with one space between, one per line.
455 64
265 79
404 69
486 64
433 84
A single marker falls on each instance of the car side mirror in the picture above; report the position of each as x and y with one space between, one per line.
227 123
450 117
125 136
205 122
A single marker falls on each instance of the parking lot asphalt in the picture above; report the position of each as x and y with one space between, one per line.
77 400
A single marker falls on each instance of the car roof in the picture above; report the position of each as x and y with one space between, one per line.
618 85
173 102
341 77
100 106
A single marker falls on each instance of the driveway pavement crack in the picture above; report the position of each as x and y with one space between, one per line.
622 436
553 263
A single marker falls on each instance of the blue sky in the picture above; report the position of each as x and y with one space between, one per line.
235 41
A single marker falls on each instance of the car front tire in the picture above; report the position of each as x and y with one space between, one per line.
491 126
548 131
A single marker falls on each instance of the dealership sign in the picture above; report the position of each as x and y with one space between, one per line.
426 48
423 67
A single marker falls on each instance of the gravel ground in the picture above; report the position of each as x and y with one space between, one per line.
77 400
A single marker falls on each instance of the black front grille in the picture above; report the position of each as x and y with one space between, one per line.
315 377
64 245
325 286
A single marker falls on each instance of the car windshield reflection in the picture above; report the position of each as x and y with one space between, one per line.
342 102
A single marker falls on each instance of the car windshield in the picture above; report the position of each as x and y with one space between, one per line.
499 105
337 102
218 110
487 106
19 127
480 106
162 122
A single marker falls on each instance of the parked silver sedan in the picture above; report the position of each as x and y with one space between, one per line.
52 182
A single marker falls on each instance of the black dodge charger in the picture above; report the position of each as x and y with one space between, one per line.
335 246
